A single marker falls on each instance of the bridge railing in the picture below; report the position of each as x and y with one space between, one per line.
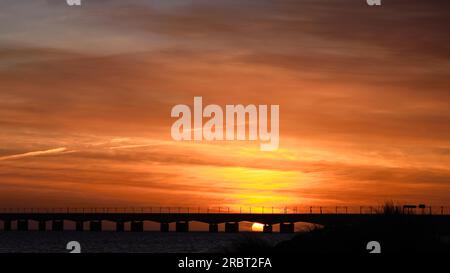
434 210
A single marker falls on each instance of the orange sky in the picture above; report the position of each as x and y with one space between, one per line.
86 95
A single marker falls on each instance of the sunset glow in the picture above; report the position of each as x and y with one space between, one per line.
85 117
257 227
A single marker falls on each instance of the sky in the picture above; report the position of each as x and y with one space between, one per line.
86 94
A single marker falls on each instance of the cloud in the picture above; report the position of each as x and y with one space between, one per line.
363 93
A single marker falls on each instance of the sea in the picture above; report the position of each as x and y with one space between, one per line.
131 242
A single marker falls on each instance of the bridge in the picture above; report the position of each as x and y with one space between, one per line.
285 218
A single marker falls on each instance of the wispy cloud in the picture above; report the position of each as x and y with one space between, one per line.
364 95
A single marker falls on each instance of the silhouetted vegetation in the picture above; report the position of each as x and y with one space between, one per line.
390 209
395 229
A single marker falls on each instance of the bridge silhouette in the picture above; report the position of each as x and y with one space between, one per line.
268 216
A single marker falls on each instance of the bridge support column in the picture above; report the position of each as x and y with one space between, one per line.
213 227
232 227
137 226
182 226
42 225
95 225
267 228
57 225
164 227
22 225
6 225
286 227
120 226
79 226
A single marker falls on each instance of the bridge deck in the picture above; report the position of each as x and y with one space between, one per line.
267 218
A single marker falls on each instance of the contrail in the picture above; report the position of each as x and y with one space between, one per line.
35 153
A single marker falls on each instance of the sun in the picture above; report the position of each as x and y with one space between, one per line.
258 227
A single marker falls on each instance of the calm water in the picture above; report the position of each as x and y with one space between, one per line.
146 242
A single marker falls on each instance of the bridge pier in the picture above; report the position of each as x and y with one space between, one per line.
164 227
57 225
79 225
22 225
42 226
286 227
232 227
267 228
95 225
182 226
6 225
120 226
137 226
213 227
